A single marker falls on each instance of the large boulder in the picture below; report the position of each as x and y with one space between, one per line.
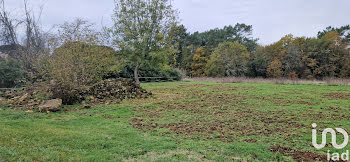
51 105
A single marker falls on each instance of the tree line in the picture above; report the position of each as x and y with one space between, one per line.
232 52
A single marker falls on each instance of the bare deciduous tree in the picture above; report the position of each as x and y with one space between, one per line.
34 38
8 26
34 42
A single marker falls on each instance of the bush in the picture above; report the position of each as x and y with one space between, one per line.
76 60
75 66
11 73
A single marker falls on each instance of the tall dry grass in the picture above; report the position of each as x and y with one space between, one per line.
327 81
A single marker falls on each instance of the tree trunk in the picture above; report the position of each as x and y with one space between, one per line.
136 74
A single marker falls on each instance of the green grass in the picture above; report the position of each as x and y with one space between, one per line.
183 121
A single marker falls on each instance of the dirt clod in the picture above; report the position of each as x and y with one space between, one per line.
298 155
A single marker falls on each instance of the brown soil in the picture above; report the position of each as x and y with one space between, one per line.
337 96
228 115
225 124
298 155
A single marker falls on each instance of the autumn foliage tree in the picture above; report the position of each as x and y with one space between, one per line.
274 70
199 62
229 59
338 52
343 31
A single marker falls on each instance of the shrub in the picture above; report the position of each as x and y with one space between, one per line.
76 61
147 71
75 66
11 73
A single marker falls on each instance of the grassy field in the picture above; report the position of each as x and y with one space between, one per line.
183 121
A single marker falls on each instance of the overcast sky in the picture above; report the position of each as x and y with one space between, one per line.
271 19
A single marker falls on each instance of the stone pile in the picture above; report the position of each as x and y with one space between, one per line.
111 91
26 98
116 90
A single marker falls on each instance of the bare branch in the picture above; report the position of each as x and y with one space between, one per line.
8 34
